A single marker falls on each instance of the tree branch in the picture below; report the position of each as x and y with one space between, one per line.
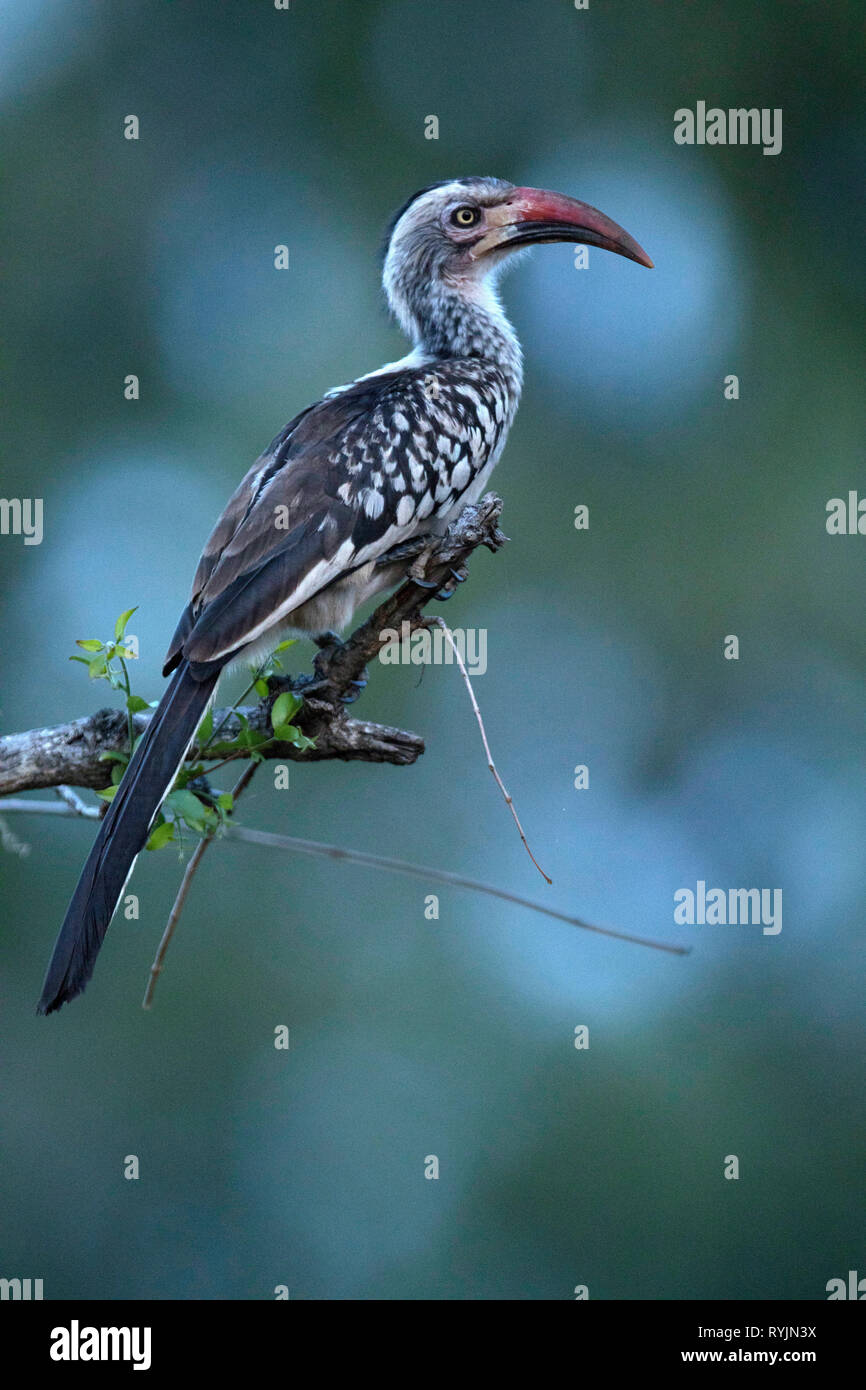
69 754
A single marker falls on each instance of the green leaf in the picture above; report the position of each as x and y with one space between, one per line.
90 644
284 707
187 805
205 729
135 703
160 835
96 668
83 659
107 793
120 625
189 774
114 755
225 801
261 687
289 642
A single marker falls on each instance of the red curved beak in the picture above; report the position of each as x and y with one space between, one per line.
532 215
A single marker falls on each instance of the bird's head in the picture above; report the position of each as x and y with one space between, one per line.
450 236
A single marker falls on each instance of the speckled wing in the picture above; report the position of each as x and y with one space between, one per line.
345 481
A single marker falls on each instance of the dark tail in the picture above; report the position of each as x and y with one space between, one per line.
122 836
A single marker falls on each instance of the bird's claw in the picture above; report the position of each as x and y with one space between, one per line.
449 588
446 590
354 689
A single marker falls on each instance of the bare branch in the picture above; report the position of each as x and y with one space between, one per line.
378 861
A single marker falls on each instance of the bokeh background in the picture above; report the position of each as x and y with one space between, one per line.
453 1037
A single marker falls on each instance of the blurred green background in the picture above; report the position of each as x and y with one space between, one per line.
453 1037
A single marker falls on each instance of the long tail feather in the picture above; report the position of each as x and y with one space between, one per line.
122 836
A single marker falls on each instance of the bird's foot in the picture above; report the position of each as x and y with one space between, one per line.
329 644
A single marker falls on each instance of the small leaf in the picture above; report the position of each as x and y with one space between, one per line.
114 755
96 668
261 687
107 793
225 801
187 805
120 625
284 707
90 644
160 835
135 704
289 642
205 729
83 659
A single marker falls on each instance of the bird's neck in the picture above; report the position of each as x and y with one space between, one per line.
467 321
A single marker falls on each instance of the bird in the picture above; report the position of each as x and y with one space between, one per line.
304 539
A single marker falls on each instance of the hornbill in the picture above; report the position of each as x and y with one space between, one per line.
394 454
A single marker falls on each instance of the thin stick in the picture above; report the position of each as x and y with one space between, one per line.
403 866
440 622
74 800
317 850
185 884
18 806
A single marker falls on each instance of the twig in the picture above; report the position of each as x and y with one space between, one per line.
73 799
403 866
318 850
18 806
189 874
440 622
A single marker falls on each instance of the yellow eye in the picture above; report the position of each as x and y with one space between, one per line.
465 216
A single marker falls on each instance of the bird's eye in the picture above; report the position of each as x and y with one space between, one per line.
466 216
